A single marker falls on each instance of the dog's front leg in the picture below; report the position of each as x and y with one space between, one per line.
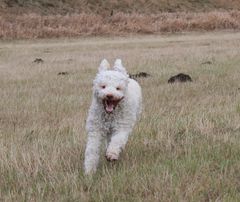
92 153
117 143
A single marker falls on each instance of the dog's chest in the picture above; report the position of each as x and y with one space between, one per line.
110 121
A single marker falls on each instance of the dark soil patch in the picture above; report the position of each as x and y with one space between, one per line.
38 60
63 73
180 78
139 75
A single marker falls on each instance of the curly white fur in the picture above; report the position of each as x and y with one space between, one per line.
110 122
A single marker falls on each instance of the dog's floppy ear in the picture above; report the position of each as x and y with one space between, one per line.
119 67
104 65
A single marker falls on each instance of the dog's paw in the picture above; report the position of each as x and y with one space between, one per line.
111 156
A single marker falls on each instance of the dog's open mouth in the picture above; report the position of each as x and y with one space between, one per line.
110 104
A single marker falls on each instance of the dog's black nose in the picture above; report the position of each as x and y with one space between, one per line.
109 96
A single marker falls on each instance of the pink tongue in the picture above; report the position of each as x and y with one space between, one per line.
109 107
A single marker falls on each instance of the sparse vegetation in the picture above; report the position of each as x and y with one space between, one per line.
185 147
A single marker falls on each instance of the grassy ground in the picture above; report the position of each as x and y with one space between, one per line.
107 6
32 26
184 148
28 19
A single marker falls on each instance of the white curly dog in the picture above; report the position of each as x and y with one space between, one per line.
116 105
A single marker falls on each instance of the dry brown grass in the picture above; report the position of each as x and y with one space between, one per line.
184 148
37 26
107 6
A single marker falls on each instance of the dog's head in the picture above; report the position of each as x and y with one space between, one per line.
110 85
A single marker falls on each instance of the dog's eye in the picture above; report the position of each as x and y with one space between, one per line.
103 86
118 88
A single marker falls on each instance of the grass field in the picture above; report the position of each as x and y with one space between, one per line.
38 19
106 6
35 26
186 147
